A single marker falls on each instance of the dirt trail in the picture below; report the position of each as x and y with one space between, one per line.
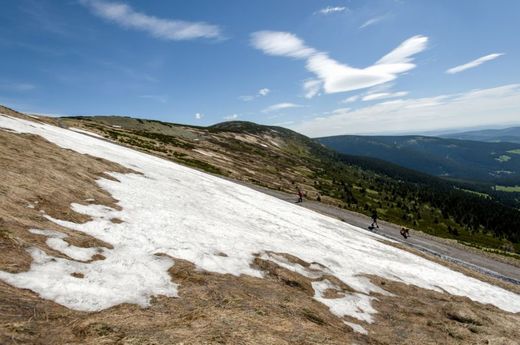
454 253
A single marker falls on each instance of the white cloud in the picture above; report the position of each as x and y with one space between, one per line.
264 92
401 57
331 9
168 29
261 93
372 21
474 63
231 117
351 99
247 98
280 106
199 116
335 76
383 95
280 44
312 87
487 107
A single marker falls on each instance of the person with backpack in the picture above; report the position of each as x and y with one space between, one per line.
300 195
374 220
405 232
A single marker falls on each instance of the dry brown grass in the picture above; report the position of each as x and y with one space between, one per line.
212 308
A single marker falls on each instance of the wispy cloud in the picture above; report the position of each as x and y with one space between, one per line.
167 29
335 76
261 93
281 44
384 95
351 99
231 117
199 116
45 19
471 108
16 87
331 9
474 63
312 87
372 21
280 106
157 98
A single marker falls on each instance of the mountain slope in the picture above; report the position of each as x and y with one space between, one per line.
458 159
246 268
282 159
511 134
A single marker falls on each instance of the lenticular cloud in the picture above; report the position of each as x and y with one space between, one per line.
336 76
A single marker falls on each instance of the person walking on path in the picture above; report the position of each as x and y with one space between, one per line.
300 195
374 220
405 232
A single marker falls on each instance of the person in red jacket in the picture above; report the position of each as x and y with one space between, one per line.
300 195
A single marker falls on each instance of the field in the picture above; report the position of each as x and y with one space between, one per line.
512 189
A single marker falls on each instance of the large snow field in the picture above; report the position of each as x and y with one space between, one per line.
187 214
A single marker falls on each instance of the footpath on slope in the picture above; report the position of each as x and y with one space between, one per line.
468 258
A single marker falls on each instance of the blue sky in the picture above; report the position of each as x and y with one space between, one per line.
317 66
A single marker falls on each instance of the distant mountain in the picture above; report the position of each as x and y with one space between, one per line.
511 134
450 158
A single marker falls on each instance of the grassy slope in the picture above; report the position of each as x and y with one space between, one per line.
282 159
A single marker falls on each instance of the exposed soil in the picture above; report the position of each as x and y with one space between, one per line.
212 308
37 179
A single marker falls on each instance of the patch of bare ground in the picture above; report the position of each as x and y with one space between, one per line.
39 178
211 308
418 316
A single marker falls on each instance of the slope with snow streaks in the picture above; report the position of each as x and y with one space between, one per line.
187 214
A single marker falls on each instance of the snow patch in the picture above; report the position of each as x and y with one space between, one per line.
356 328
55 241
184 213
79 130
356 305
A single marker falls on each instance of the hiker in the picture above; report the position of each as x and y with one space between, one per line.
405 232
300 195
374 220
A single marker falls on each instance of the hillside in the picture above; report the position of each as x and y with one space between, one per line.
106 244
451 158
511 135
284 160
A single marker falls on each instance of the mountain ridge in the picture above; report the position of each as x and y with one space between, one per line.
452 158
509 134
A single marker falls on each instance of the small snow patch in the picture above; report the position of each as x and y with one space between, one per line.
79 130
55 241
356 328
356 305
